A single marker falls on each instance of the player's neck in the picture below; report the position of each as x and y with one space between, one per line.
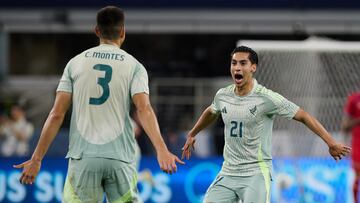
245 89
111 42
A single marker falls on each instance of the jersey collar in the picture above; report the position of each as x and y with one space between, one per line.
251 92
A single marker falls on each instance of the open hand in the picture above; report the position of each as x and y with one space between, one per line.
338 150
188 147
30 170
167 162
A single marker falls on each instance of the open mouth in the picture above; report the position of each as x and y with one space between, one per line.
238 77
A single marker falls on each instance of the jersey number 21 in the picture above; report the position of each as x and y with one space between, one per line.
236 129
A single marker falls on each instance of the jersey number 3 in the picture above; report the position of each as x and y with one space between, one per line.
104 83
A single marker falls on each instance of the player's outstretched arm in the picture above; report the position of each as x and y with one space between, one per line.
206 118
51 127
336 150
147 118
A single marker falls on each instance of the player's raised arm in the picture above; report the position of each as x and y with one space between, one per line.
336 149
146 115
51 127
206 118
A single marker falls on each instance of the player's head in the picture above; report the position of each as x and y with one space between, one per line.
244 61
253 57
110 23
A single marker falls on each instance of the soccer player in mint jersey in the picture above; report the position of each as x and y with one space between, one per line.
248 110
101 83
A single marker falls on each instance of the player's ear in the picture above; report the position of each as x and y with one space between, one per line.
122 34
253 67
97 31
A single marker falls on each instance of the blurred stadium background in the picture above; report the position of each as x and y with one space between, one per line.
308 52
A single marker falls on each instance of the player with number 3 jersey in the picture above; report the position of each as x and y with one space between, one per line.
102 88
101 83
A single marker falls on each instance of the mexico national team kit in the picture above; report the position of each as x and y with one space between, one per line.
100 79
248 131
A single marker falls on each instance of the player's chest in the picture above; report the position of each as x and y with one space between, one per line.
242 110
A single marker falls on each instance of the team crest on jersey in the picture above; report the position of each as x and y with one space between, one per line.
253 110
223 110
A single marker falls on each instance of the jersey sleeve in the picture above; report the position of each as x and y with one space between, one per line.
66 82
279 105
140 80
215 108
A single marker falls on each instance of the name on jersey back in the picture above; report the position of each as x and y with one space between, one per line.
102 55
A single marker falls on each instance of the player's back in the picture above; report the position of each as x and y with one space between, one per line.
103 79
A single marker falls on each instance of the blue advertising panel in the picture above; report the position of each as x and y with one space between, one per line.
187 185
47 188
312 181
295 180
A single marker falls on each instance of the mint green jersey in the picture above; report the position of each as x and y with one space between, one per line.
248 127
102 81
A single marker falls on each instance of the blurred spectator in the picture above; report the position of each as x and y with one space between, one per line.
17 132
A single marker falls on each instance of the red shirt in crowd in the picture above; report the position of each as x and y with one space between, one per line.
352 109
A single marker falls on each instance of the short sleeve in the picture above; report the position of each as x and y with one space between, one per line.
215 107
279 105
140 81
66 82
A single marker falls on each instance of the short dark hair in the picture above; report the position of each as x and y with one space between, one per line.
110 20
253 57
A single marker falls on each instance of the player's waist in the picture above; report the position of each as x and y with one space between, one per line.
246 170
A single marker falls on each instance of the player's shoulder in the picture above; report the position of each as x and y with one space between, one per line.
228 90
131 58
87 50
262 90
82 54
127 54
267 93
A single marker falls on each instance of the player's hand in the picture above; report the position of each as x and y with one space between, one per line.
338 150
167 162
30 170
188 147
